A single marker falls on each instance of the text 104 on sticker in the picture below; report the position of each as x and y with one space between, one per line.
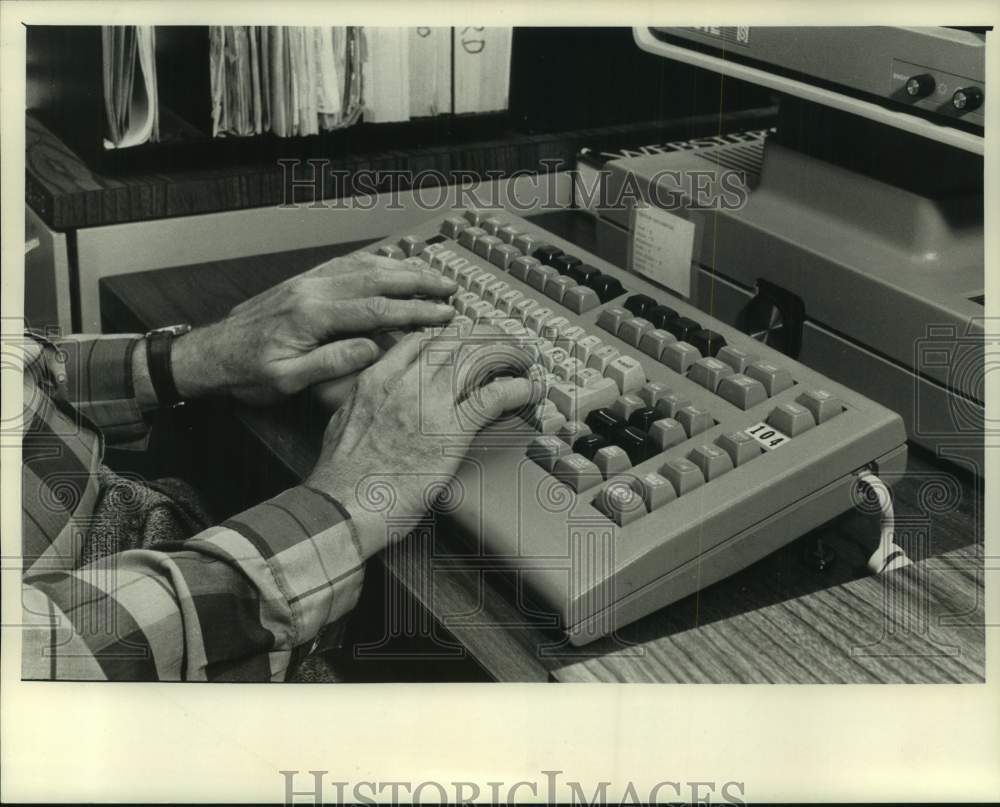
767 435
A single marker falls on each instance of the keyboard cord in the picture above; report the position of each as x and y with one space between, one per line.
889 555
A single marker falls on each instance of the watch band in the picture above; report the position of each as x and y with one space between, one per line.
161 373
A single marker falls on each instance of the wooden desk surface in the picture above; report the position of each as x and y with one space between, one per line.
778 621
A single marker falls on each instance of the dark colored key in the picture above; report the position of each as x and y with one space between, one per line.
660 315
642 419
682 328
709 343
565 262
607 287
584 273
604 422
634 443
589 444
639 304
547 253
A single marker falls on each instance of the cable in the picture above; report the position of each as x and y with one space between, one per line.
889 555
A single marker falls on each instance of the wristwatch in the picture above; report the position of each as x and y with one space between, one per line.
161 372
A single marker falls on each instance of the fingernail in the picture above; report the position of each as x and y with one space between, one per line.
444 308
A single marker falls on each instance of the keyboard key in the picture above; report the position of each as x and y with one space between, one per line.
611 461
709 372
572 431
474 217
523 307
412 245
634 443
545 450
660 315
604 422
632 330
513 327
670 403
638 304
553 357
683 474
565 262
791 418
567 369
508 234
712 461
584 273
694 420
521 267
586 346
601 358
507 300
547 418
625 405
569 337
536 319
643 418
653 342
610 319
578 472
441 259
679 356
466 274
654 490
627 373
547 253
742 391
740 447
453 225
468 237
588 377
736 358
553 328
577 402
464 300
607 287
821 404
775 379
481 282
653 391
452 268
503 254
580 299
478 311
492 225
556 287
494 291
588 445
526 243
620 501
540 275
665 433
391 251
682 328
484 245
709 343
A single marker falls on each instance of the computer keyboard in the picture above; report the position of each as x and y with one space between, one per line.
671 450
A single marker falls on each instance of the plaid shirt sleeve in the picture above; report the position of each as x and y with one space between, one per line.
94 373
243 601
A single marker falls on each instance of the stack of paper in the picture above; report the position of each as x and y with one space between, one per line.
131 104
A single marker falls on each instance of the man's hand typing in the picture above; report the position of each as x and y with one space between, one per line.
310 329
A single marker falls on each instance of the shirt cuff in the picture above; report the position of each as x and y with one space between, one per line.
311 547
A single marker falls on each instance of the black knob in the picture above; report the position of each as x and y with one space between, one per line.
920 86
967 99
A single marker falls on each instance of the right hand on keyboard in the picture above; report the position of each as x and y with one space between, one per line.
408 422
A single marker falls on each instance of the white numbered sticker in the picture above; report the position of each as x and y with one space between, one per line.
768 436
